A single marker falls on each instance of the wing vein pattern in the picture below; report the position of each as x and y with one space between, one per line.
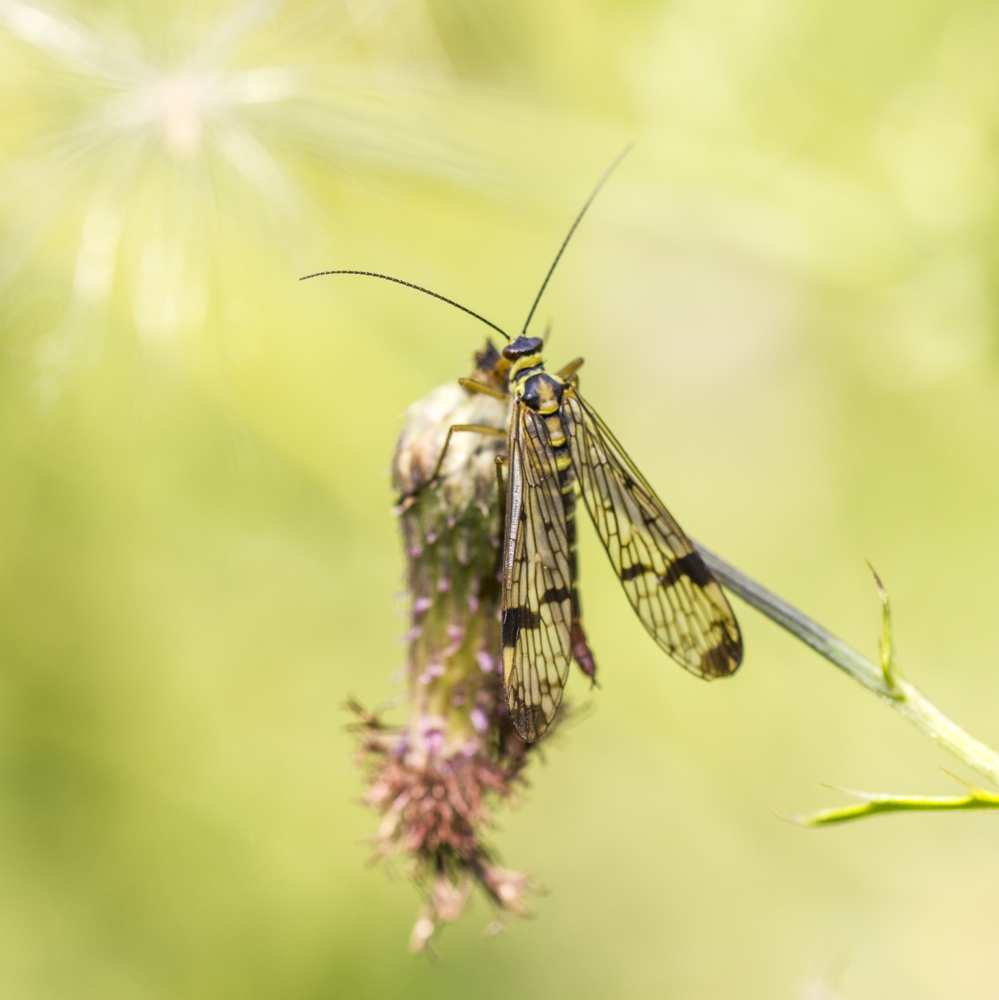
537 580
672 591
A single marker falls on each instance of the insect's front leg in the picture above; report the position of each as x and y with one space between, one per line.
470 428
408 498
472 386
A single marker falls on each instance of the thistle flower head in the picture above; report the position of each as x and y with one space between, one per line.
435 779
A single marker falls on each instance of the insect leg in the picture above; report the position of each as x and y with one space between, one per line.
487 390
571 368
473 428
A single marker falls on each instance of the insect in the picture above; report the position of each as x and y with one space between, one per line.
559 449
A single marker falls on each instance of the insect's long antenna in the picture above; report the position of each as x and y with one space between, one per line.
579 218
419 288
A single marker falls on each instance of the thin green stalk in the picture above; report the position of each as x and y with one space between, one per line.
872 803
885 681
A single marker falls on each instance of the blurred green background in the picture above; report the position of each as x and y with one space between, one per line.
787 301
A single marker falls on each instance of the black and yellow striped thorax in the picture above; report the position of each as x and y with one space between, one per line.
538 390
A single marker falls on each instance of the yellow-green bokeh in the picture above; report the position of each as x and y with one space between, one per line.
787 302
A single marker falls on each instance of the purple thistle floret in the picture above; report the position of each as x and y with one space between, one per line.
435 779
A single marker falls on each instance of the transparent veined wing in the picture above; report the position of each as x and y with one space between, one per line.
537 582
670 588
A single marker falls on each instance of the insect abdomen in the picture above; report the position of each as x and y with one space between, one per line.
567 485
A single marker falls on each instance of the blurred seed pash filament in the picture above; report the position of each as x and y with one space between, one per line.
154 162
434 779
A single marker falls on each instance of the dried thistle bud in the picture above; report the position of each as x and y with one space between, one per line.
434 780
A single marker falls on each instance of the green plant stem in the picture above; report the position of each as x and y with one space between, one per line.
890 687
871 804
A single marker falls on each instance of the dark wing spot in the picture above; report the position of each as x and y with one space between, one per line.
722 659
691 566
514 619
555 595
637 570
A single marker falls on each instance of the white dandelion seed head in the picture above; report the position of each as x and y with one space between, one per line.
180 106
169 170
